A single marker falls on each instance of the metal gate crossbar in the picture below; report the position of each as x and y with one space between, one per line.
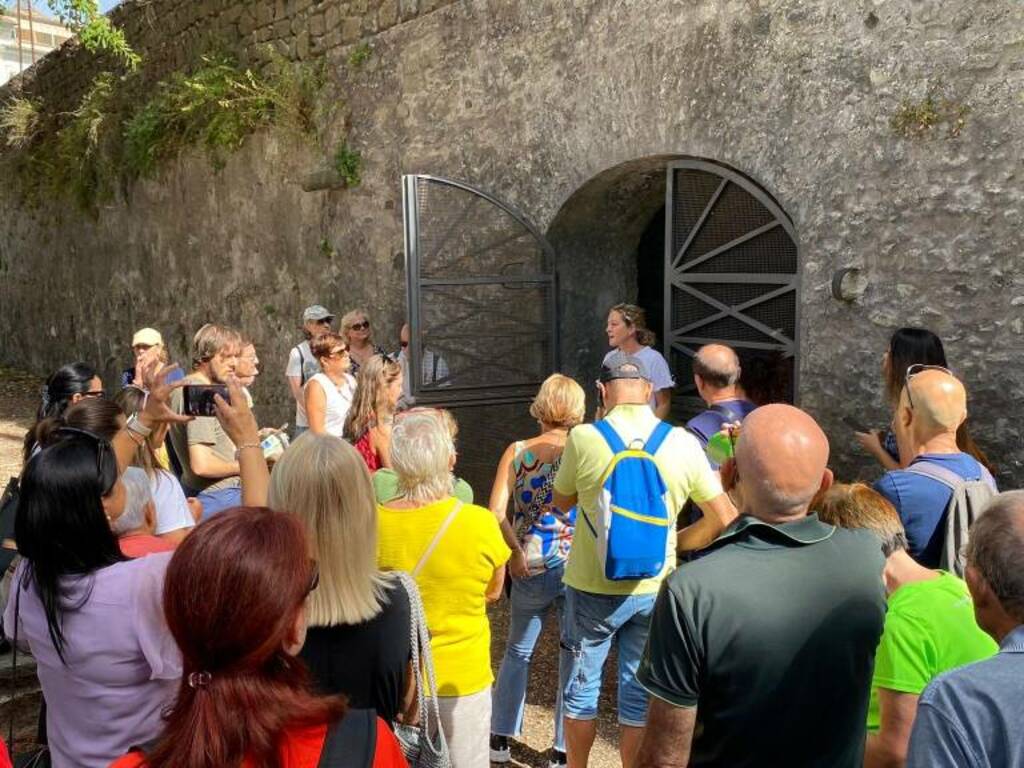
737 312
700 341
699 225
730 245
468 256
490 363
472 307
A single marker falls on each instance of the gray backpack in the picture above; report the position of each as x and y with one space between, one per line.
969 500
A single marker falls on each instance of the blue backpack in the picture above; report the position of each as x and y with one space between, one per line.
632 522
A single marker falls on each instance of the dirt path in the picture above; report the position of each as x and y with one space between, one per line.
19 398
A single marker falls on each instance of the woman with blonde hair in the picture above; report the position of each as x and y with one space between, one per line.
628 333
355 330
457 556
368 423
539 536
358 638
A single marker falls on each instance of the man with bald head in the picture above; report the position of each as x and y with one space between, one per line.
716 374
761 653
932 407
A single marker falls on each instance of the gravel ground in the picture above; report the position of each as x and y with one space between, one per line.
18 403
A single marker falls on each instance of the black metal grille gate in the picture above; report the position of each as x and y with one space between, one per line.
482 314
731 274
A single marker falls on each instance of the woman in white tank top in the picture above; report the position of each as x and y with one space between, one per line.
329 393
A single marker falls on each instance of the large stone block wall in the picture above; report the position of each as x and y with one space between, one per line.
568 110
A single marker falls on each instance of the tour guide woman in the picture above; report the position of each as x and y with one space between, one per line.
457 556
628 332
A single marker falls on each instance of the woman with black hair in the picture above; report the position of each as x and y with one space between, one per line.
65 387
907 347
91 617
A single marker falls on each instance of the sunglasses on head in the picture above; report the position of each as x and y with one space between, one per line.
914 370
363 326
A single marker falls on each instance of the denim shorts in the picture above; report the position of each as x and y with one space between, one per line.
589 624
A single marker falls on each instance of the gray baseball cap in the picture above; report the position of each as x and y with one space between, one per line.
622 366
316 312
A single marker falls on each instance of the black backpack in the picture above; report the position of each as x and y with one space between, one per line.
351 742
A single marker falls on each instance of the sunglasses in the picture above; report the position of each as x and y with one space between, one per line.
324 321
404 344
363 326
338 353
914 370
98 393
314 579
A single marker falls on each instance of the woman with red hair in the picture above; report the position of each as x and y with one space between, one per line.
234 596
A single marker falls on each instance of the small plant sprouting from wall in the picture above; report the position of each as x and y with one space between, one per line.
95 31
216 107
19 121
349 165
917 119
360 55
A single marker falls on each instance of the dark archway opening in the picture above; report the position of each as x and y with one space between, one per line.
734 277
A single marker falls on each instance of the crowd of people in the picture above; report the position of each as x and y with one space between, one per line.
199 592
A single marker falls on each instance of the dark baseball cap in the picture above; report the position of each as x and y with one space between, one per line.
619 365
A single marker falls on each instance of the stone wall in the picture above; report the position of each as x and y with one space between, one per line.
568 110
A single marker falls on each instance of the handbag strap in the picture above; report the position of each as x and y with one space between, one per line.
423 668
437 539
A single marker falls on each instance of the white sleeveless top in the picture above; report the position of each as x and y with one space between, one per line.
339 400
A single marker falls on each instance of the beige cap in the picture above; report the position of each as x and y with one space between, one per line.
147 337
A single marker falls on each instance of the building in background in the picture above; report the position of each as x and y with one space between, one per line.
25 38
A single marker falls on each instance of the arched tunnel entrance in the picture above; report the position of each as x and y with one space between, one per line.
705 250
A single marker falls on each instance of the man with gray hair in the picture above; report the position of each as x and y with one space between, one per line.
761 652
716 374
972 715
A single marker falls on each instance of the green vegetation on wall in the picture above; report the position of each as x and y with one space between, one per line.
95 30
117 134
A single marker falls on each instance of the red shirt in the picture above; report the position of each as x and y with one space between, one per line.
139 544
301 748
5 760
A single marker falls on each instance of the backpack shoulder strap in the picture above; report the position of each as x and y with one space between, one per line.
663 430
947 477
987 478
610 436
351 742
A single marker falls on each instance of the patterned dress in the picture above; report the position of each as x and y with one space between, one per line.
544 532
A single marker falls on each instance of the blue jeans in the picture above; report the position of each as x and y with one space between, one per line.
219 500
532 598
589 623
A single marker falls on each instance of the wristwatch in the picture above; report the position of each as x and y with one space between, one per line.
136 426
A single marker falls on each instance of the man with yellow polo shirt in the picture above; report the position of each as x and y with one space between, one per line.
598 610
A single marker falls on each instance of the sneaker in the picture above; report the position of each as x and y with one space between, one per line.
557 759
500 752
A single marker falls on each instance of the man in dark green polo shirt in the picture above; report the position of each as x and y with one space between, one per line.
761 652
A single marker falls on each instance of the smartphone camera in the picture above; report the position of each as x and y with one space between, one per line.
198 400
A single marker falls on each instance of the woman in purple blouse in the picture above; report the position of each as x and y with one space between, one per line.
92 618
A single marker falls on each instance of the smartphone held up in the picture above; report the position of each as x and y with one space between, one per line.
198 398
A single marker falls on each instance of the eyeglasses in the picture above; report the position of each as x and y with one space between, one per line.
314 579
100 393
324 321
338 353
363 326
916 369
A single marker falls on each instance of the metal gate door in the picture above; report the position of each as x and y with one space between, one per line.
482 315
731 276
